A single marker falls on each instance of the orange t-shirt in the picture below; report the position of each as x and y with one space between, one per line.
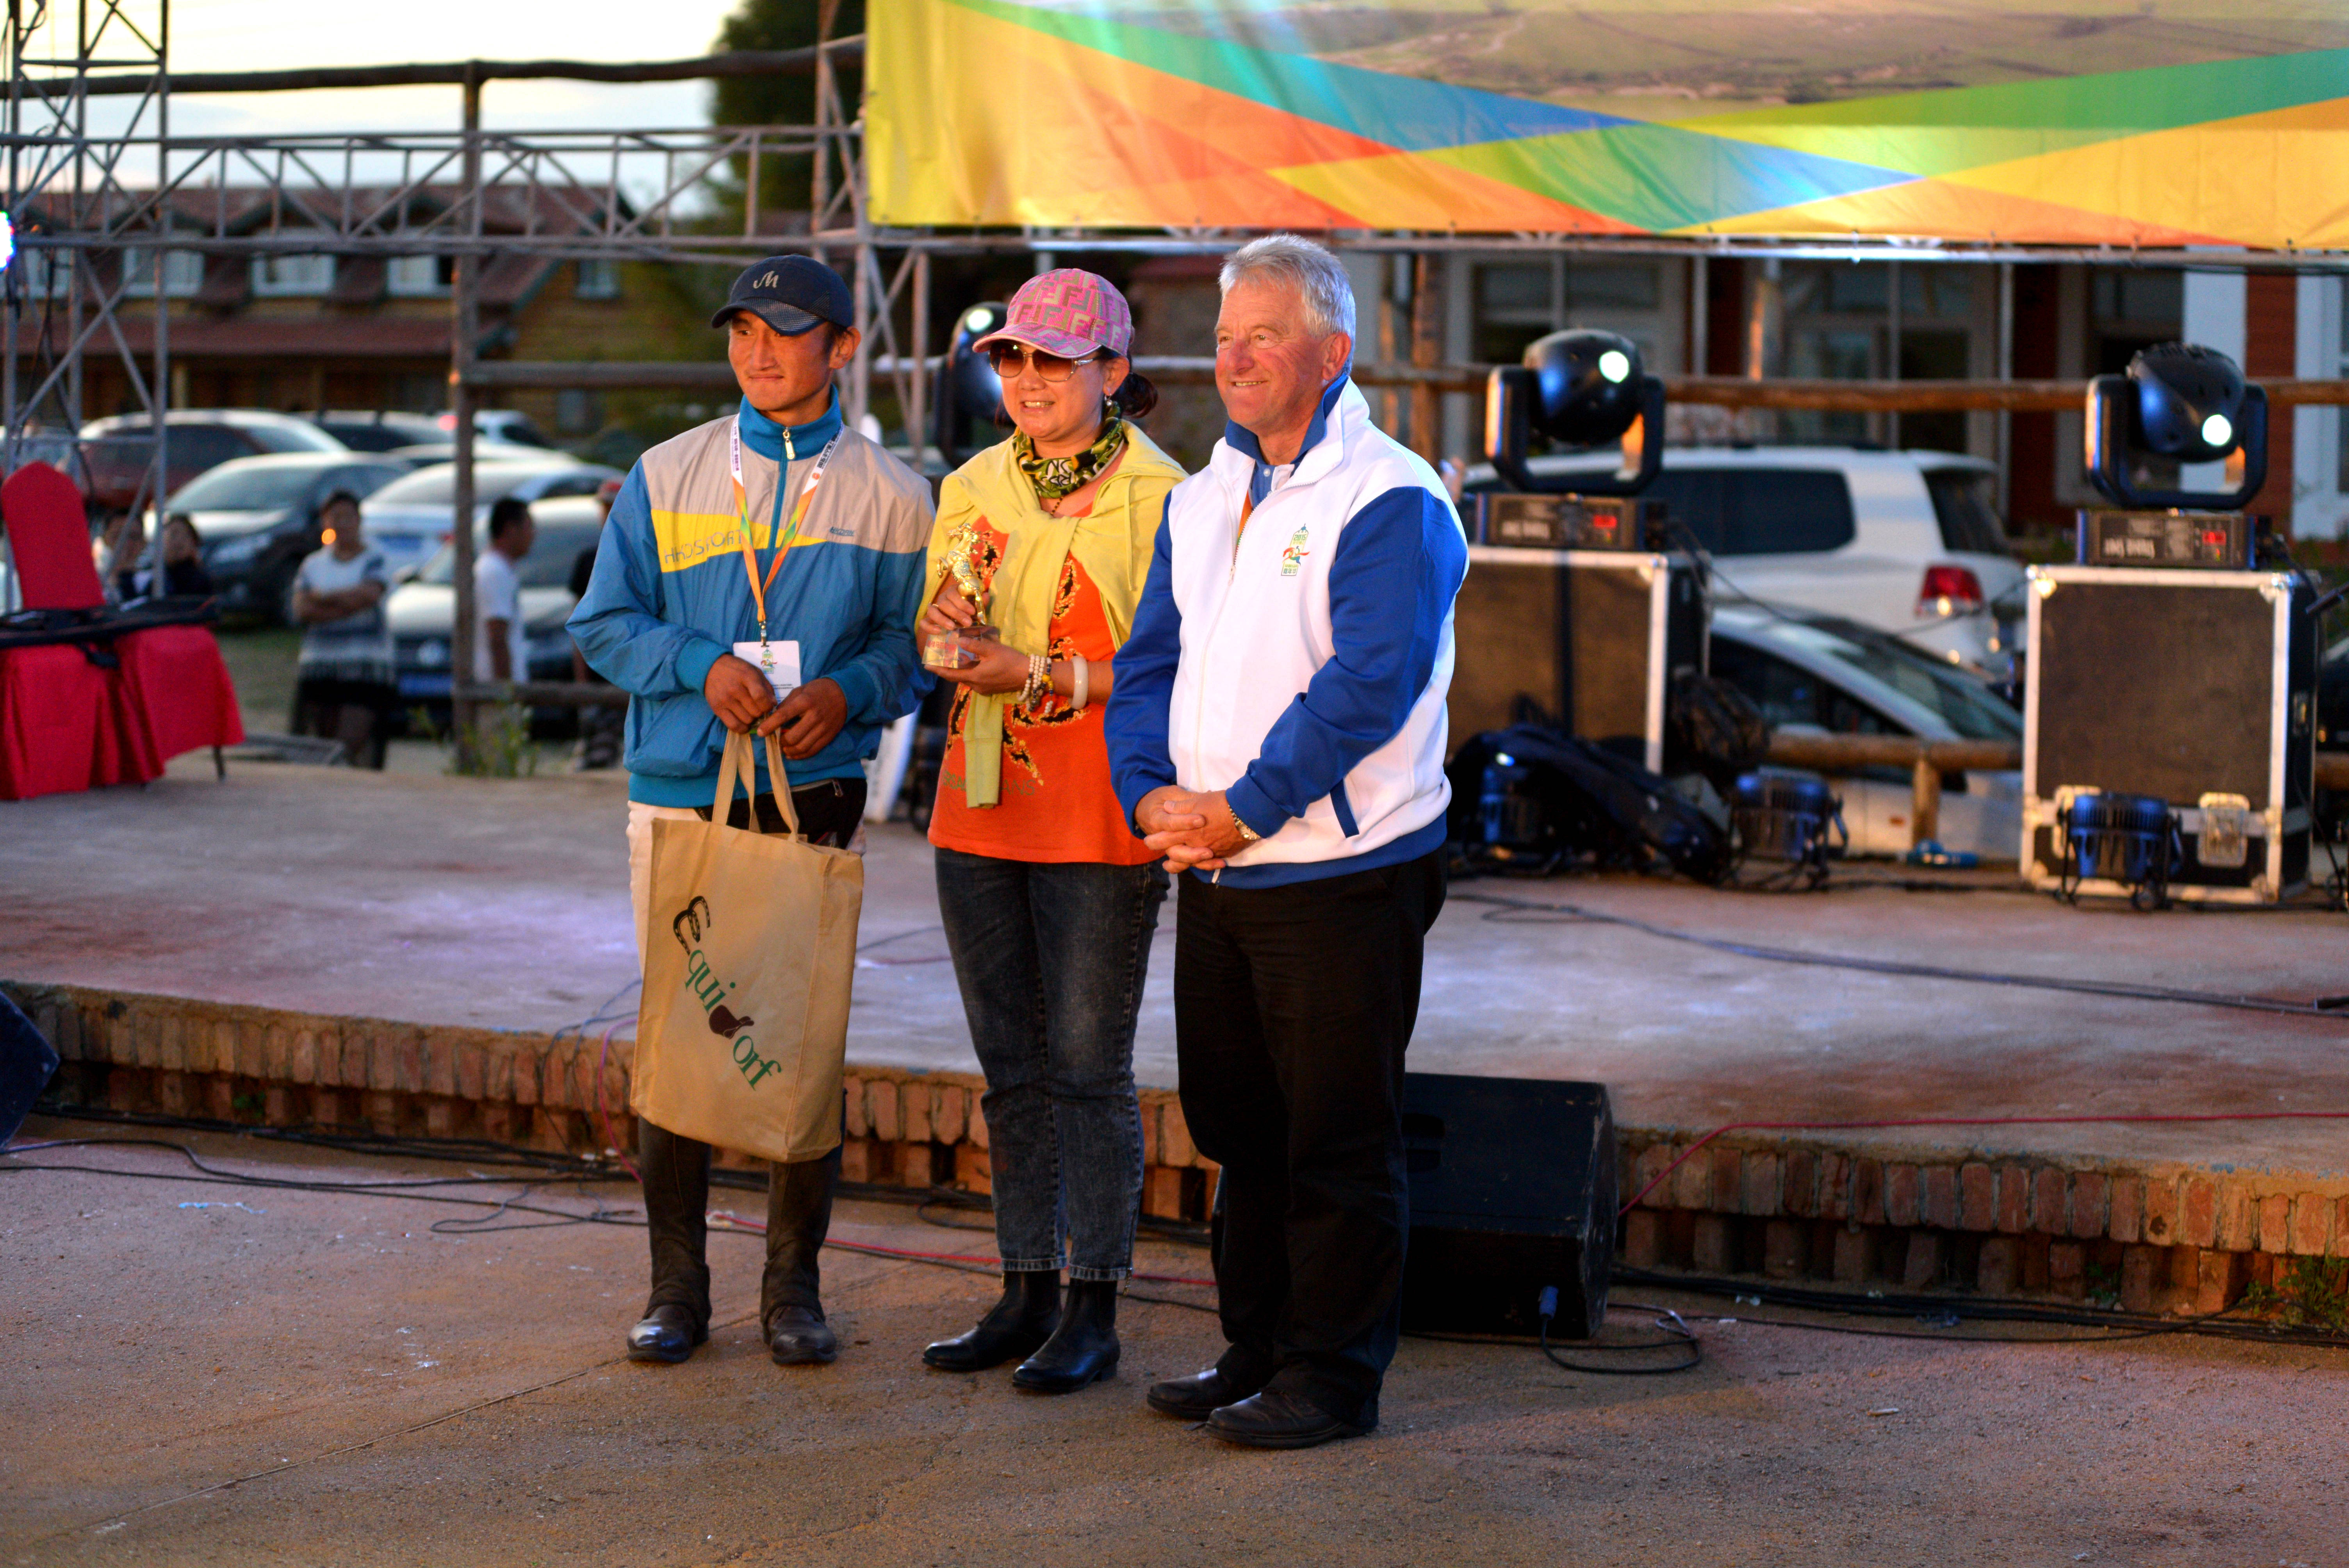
1055 803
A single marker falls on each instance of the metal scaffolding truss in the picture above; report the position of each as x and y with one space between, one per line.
55 164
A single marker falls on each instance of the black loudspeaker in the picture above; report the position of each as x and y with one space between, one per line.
1591 638
26 1060
1513 1190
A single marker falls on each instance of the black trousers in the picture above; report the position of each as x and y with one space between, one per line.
1293 1007
799 1195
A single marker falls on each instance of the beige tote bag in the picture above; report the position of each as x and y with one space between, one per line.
744 1020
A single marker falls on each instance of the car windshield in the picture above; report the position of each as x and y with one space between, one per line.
548 565
262 488
294 436
1965 500
437 486
1970 708
369 437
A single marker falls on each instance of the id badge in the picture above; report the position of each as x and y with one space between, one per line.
781 665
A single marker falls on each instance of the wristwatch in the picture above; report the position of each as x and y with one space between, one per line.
1247 834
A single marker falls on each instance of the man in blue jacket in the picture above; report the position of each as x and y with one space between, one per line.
760 573
1278 728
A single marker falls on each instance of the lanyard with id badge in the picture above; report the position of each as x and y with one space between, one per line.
778 662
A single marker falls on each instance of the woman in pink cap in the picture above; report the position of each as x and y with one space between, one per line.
1038 558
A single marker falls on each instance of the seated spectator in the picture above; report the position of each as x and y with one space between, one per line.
345 686
184 576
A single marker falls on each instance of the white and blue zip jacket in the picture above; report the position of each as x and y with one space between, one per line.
1299 663
670 595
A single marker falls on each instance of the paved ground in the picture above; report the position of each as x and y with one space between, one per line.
503 903
202 1373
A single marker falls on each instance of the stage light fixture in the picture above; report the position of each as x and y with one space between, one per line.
2185 403
970 392
1578 389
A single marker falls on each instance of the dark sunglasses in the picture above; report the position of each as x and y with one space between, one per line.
1009 357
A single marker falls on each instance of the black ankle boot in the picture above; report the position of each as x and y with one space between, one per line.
1082 1349
1014 1327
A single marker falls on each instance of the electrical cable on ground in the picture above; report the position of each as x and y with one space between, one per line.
1509 910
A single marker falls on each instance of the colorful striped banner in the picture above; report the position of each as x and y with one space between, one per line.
989 112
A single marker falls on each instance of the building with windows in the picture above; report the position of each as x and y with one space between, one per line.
296 330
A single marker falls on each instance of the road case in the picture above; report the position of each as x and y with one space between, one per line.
1591 638
2197 688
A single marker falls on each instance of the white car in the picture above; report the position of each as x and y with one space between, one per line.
410 518
1907 543
1820 675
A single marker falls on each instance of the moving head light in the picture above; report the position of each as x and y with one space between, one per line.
1576 388
2182 402
970 392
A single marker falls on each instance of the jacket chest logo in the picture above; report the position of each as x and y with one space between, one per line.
1294 555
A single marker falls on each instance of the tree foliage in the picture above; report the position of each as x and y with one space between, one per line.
783 182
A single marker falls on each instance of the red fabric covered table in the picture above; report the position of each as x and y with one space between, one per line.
62 725
179 691
66 724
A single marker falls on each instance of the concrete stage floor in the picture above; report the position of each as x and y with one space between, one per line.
326 1380
503 903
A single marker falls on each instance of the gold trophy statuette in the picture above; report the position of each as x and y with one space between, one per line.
945 650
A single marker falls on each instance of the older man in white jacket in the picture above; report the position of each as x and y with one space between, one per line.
1278 728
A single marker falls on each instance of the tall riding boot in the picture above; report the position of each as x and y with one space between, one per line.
1014 1327
1082 1349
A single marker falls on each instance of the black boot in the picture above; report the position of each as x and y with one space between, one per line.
1014 1327
1082 1349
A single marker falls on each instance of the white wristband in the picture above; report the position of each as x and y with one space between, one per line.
1081 682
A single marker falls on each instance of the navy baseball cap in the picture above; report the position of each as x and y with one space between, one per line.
789 294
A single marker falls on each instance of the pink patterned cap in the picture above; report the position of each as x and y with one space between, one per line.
1070 312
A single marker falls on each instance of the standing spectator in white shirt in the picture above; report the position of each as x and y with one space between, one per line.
498 653
345 687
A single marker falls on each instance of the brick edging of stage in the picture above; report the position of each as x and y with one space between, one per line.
2152 1237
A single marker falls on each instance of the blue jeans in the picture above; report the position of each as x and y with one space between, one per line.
1051 959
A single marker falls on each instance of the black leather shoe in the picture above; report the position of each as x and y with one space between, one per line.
798 1337
1277 1419
1197 1398
1015 1327
665 1333
1082 1350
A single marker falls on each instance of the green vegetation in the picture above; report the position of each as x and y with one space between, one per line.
2315 1294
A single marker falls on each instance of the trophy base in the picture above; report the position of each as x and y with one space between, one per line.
952 650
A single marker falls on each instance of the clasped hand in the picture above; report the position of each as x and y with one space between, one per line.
1196 831
743 701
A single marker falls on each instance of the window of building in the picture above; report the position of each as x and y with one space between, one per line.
1840 324
1520 301
417 277
598 279
2130 308
183 271
42 273
283 275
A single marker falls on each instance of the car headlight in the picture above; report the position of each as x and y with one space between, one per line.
236 552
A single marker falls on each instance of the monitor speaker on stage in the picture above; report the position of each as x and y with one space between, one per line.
1514 1190
26 1060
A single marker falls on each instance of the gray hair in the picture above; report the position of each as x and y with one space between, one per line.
1316 275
